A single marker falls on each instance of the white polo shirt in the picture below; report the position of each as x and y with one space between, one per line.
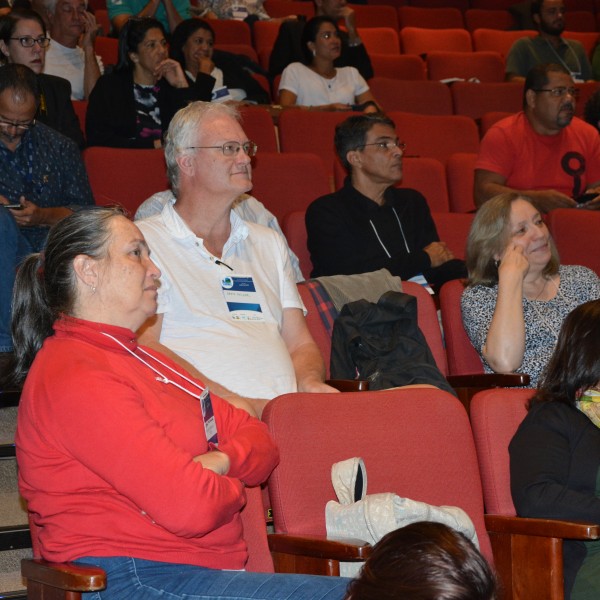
247 356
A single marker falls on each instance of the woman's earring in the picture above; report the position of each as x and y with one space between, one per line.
93 288
314 52
496 263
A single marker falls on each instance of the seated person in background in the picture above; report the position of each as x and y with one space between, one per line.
592 110
288 46
42 174
369 224
548 46
228 302
240 10
544 151
192 47
71 53
169 12
246 207
426 561
120 469
318 83
555 453
23 40
518 295
133 106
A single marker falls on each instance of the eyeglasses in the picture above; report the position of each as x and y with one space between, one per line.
230 148
28 42
19 126
559 92
388 145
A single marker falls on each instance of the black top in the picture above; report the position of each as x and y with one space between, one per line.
288 49
111 114
237 74
554 463
349 233
56 109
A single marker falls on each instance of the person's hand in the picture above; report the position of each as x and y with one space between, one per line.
438 253
349 17
315 386
205 65
513 262
90 30
28 216
547 200
215 461
594 203
171 70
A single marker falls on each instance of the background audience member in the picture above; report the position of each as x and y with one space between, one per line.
169 12
133 106
548 46
71 53
192 47
42 177
369 224
518 295
555 454
240 10
151 493
424 561
318 83
23 40
544 151
288 45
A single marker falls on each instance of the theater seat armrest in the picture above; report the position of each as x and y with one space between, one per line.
575 530
66 576
345 549
489 380
349 385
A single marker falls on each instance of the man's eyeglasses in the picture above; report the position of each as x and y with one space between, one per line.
559 92
28 42
19 126
387 145
230 148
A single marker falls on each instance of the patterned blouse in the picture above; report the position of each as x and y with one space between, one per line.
543 318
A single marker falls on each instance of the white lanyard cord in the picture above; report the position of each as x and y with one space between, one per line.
401 231
162 378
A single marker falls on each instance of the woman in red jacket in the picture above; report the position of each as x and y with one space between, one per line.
125 460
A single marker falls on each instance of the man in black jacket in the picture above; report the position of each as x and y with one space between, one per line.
369 224
288 46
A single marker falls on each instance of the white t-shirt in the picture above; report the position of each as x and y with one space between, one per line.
313 90
68 63
249 357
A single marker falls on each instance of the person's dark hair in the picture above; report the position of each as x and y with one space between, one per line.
351 134
575 363
21 80
536 7
537 77
131 36
424 561
309 34
488 237
8 24
45 286
591 112
181 34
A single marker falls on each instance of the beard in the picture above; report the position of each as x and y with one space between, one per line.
550 29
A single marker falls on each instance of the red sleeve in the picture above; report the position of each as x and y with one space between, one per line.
496 153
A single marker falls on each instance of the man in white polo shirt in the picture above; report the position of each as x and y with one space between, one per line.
228 302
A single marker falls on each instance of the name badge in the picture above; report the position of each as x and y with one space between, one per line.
241 298
221 94
208 415
239 12
420 279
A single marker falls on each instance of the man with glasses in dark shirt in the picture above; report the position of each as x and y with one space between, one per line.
42 180
544 151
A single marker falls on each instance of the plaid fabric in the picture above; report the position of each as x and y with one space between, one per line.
327 311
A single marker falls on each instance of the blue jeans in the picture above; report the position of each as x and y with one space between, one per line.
137 579
13 248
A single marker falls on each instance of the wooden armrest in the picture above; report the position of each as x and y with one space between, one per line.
67 576
349 385
574 530
345 549
489 380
